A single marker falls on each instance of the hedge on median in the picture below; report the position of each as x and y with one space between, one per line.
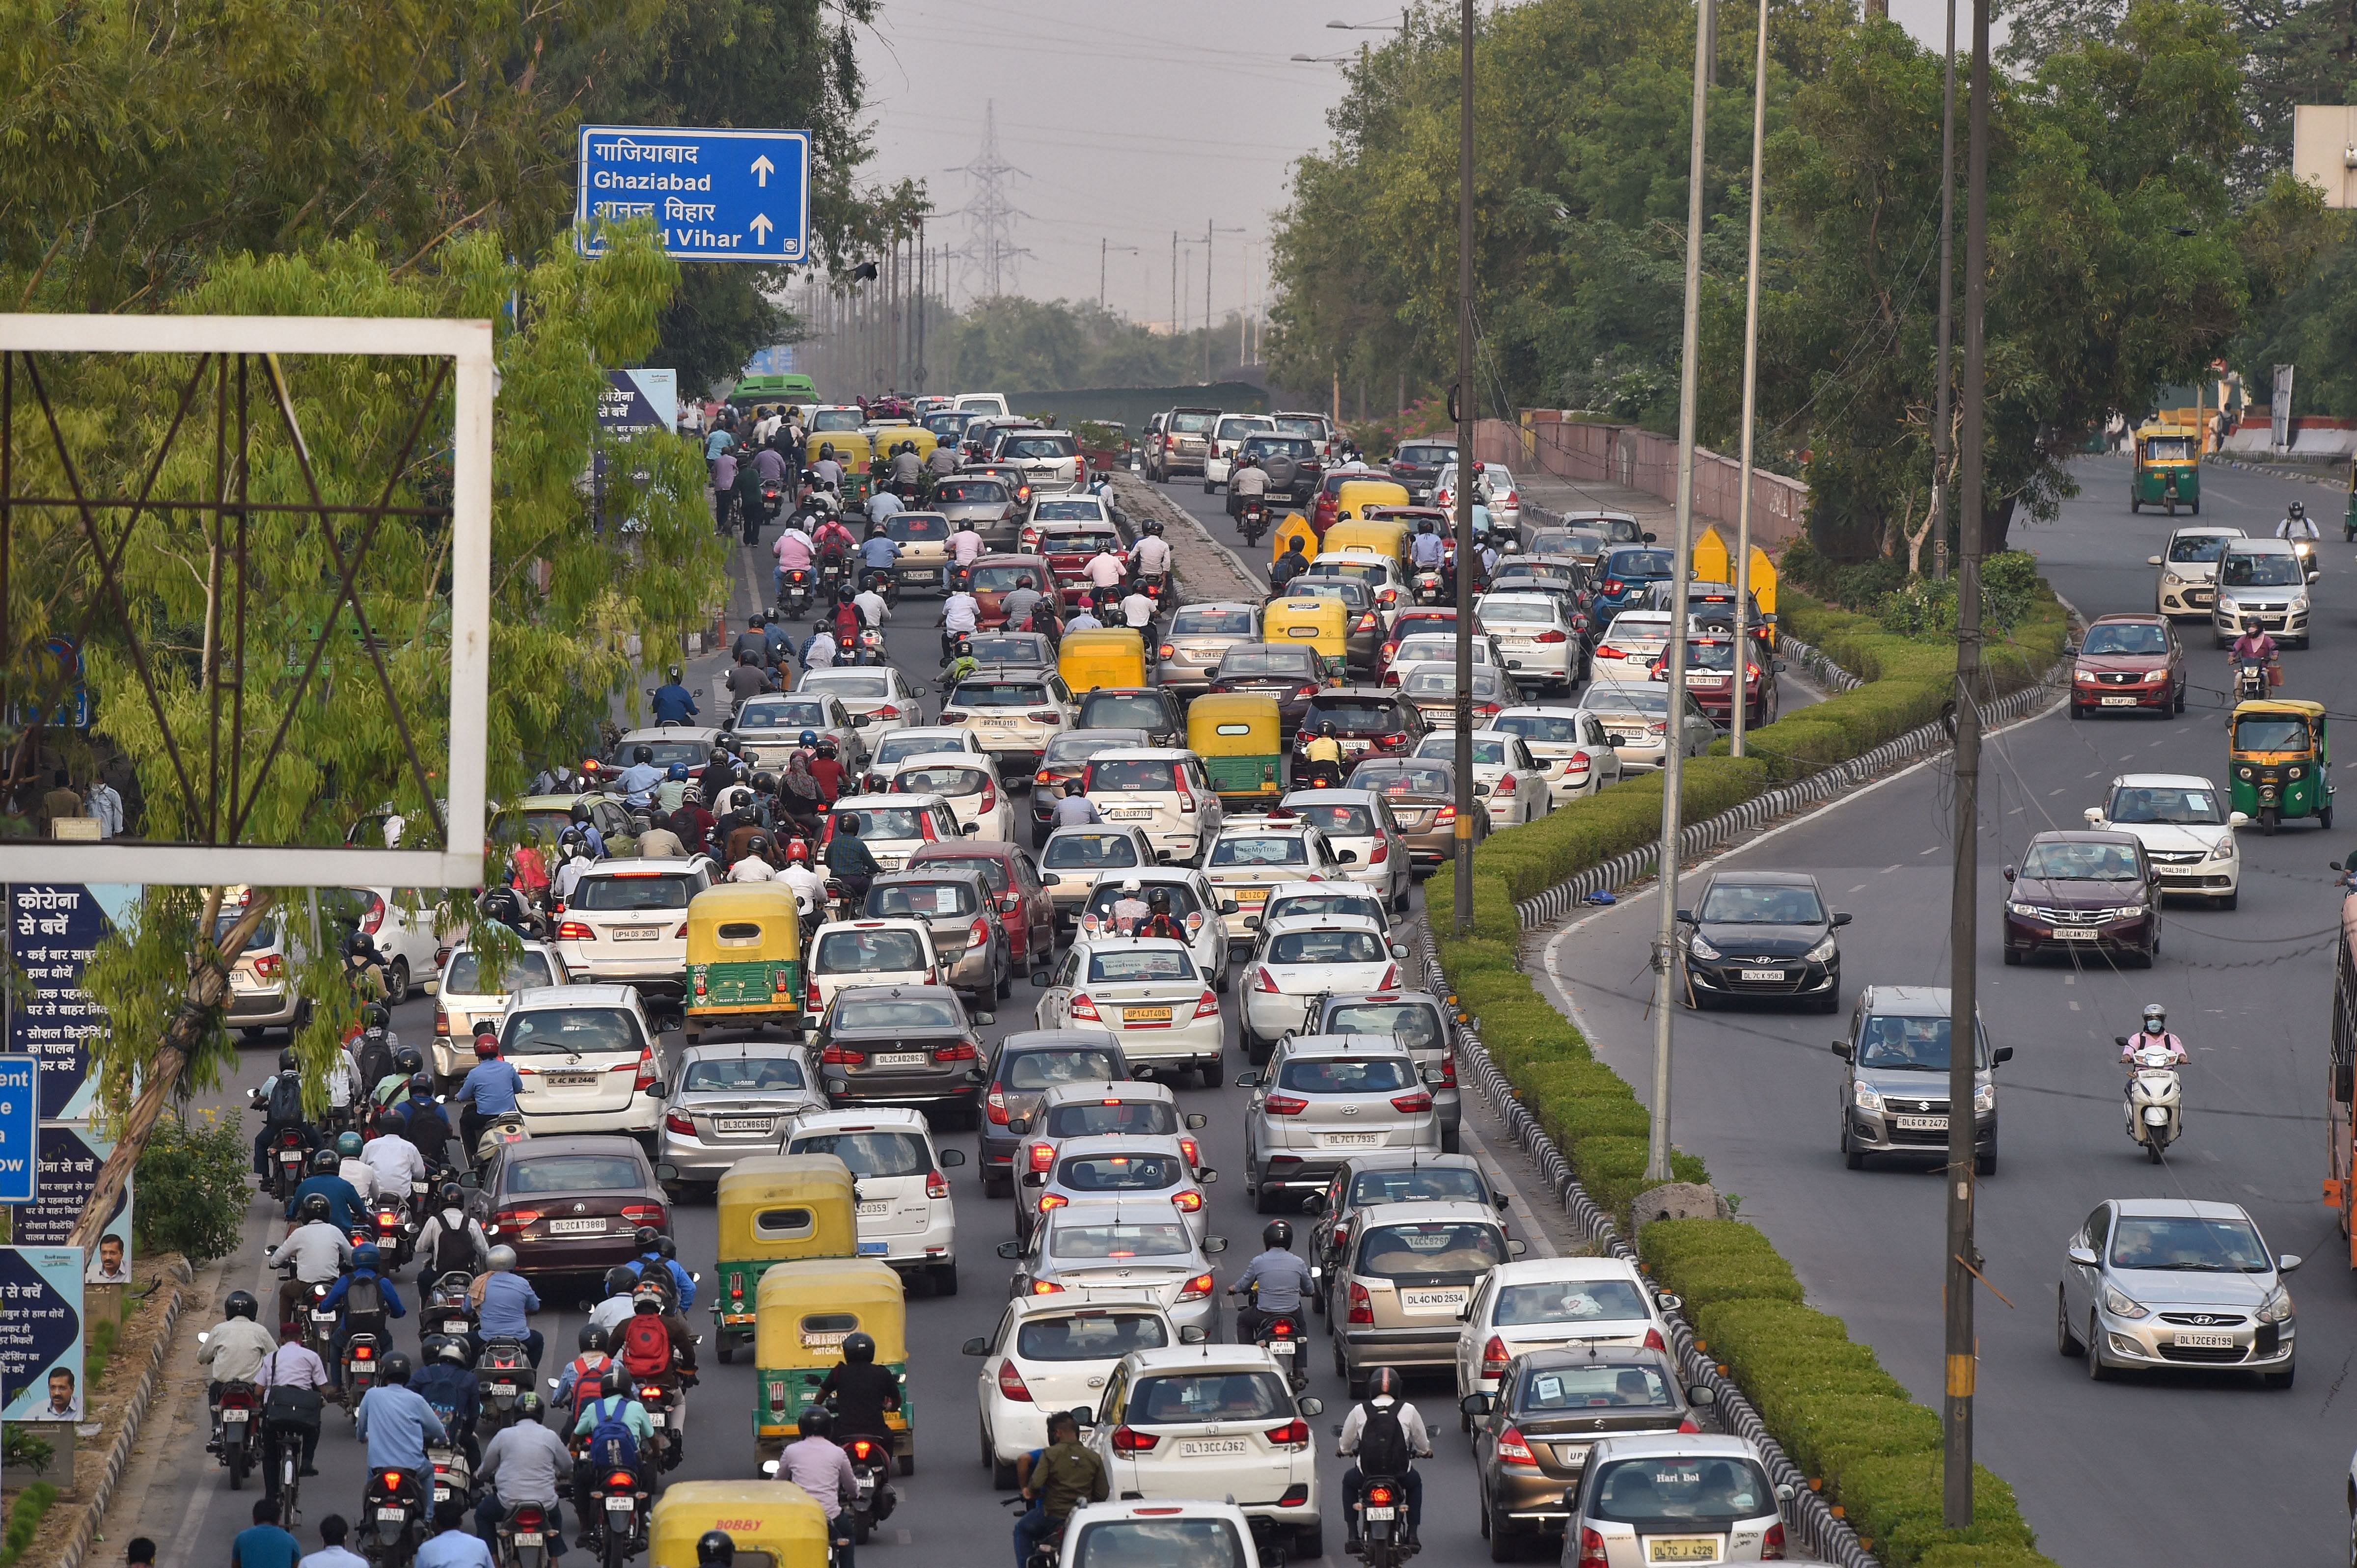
1847 1422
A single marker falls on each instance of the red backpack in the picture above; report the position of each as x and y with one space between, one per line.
646 1346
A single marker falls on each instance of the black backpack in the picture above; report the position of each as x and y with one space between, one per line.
454 1249
1383 1442
287 1098
363 1301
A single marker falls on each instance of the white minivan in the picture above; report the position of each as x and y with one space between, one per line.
1161 790
588 1058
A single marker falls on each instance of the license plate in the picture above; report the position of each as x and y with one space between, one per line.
656 1419
1689 1549
1252 895
617 1505
1433 1300
1348 1140
874 1210
1380 1513
323 1317
2205 1341
874 1248
575 1227
1282 1347
1130 814
2074 933
568 1081
1921 1123
527 1538
900 1059
390 1516
1210 1447
235 1414
455 1325
636 933
1145 1014
2119 702
441 1494
1763 974
743 1124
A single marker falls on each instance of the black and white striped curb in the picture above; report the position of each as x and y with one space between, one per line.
1826 1537
1828 675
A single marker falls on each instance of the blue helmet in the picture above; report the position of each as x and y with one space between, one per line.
678 772
364 1256
809 737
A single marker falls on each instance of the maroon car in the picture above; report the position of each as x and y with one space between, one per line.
2087 893
1069 547
569 1204
1024 906
2130 662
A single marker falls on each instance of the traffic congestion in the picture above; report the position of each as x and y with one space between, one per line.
861 1041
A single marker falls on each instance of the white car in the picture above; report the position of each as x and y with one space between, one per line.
2187 829
1505 502
1533 1304
2188 570
400 921
1123 1534
627 922
588 1059
1630 645
913 740
1081 509
906 1215
1535 633
1307 956
1254 854
1148 993
1074 860
876 693
1212 1421
1193 904
1359 822
1295 900
894 827
1383 575
1513 785
1220 452
469 994
1014 712
1434 648
1048 1353
845 954
969 781
1570 743
1161 790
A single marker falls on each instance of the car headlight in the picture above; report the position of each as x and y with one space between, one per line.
2277 1308
2299 606
2224 849
2119 1306
1698 948
1866 1097
2171 579
1984 1097
1822 953
2129 911
2021 909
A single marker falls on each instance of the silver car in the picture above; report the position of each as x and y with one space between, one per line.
2175 1283
771 727
1359 821
1049 459
1636 721
956 904
1197 637
1417 1020
734 1100
1675 1498
981 499
2262 586
1118 1165
1122 1248
1074 859
1323 1098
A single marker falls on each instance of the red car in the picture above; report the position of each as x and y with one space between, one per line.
1023 903
2130 661
1069 547
569 1204
996 577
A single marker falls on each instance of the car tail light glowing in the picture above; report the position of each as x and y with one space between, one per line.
1284 1105
1046 1287
997 1105
1413 1104
1196 1289
1187 1148
644 1213
676 1122
1207 1006
514 1220
569 931
1592 1553
1129 1440
841 1055
1011 1384
1042 1156
1188 1202
1654 1340
1512 1450
1509 782
1689 1425
1051 1200
1166 651
441 1024
1362 1305
1366 622
963 1051
1494 1357
1264 983
1443 817
1294 1433
936 1185
1083 1007
1772 1545
1381 852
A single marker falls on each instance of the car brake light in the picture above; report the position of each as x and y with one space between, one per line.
270 966
374 918
1613 585
645 1080
570 931
515 1219
963 1051
1046 1287
1284 1105
841 1055
1362 1305
936 1185
1448 1070
1193 1154
810 1003
1129 1440
1207 1006
676 1122
1551 637
1294 1433
1044 716
1011 1384
1049 1201
1196 1289
1264 983
1381 852
1186 796
1188 1202
1042 1156
887 712
1578 765
1390 978
1512 1450
1507 781
1689 1425
1445 815
1654 1340
441 1024
1592 1553
1082 1007
1413 1104
1772 1545
1494 1357
997 1105
1367 621
1390 677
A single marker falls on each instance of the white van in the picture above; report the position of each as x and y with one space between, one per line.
986 403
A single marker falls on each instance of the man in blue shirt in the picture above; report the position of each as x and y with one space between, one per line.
396 1423
263 1544
451 1546
721 440
674 704
655 1251
879 549
638 780
447 1383
489 1089
344 1206
502 1297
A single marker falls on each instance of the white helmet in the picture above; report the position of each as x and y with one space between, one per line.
1132 885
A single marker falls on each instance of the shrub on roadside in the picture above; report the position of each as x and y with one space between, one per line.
191 1186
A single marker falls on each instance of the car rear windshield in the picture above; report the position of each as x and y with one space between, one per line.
1120 1173
1394 782
1158 1544
1427 454
1416 1023
630 890
989 490
888 821
1567 1301
1139 966
1184 424
1486 753
1082 540
1127 710
1430 1247
919 1013
1293 663
920 900
1093 1335
836 419
1089 852
1326 947
1125 1116
2125 636
1762 904
571 1031
1124 775
1345 820
1436 1184
1280 447
1429 646
2198 546
903 743
463 975
1356 716
944 780
908 527
2188 1244
1182 898
2082 861
1235 426
994 871
1012 648
575 1172
1349 901
1639 564
999 694
1300 424
870 1154
1592 1385
1087 1241
791 715
1002 578
1627 700
886 951
1079 746
1088 511
1062 1064
1684 1492
1559 729
1439 680
1199 621
853 686
1271 850
1038 448
1517 612
1348 1075
742 1075
1184 1398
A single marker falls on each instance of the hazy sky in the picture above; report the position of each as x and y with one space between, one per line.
1128 119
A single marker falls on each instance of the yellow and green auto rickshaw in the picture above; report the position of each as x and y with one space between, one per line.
804 1313
2167 472
744 957
1240 736
2277 762
773 1524
772 1209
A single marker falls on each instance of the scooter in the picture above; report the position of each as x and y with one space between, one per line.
794 595
2251 680
868 648
447 1310
523 1537
360 1369
393 1518
501 1372
1284 1338
2154 1113
615 1509
453 1477
1428 585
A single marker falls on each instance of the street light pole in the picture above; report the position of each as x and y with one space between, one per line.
1738 680
1105 248
1657 1157
1963 1033
1466 562
1942 406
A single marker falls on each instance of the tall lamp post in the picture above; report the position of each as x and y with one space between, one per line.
1738 680
1466 562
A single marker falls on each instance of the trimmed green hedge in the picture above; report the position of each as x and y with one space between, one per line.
1843 1419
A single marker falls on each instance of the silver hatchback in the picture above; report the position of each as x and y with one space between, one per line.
1675 1498
1196 639
1323 1098
2175 1285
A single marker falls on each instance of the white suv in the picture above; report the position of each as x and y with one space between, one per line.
1162 790
1227 436
1115 1535
906 1215
1048 1353
627 922
471 994
589 1060
1014 712
1212 1421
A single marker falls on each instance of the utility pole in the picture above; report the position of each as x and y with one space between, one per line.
1657 1159
1963 1035
1467 564
924 260
1943 411
1738 678
1174 282
1209 230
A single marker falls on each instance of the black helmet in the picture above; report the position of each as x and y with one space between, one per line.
287 1061
396 1368
452 1194
715 1550
616 1381
816 1421
315 1207
324 1161
578 812
592 1338
677 674
1383 1383
421 1085
376 1016
847 823
666 1248
358 945
858 1349
2298 509
407 1059
620 1280
765 783
642 1240
241 1303
1158 900
1327 727
528 1404
1277 1234
642 753
387 1124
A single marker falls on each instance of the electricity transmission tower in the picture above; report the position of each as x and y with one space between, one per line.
990 253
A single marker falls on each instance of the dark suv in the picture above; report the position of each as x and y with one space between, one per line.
1368 720
1418 466
1178 447
1294 464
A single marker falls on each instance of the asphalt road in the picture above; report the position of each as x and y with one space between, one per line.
2127 1472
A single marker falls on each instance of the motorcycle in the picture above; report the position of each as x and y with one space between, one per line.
359 1367
2154 1115
794 594
1048 1551
319 1322
505 1128
523 1537
868 648
393 1518
240 1441
286 1158
1428 587
447 1310
1253 521
2252 679
659 1400
830 582
503 1371
453 1477
2306 550
615 1511
1285 1337
394 1231
871 1464
1383 1524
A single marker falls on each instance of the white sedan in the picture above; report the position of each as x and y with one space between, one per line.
897 747
1148 992
876 693
1570 743
1535 633
1307 957
1254 854
1193 904
1513 785
1048 1353
2187 831
969 781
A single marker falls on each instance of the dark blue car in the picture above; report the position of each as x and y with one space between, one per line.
1623 574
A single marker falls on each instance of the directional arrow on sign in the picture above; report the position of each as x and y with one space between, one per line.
763 169
761 225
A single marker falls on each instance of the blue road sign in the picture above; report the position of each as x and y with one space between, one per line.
20 1129
715 196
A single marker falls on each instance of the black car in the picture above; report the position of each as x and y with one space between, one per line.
1149 709
1418 466
1760 934
899 1045
1294 464
1026 1066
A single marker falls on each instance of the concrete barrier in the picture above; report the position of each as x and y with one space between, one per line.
1551 441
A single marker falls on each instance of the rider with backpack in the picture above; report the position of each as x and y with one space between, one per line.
281 1099
616 1428
362 1301
453 1240
1387 1437
583 1375
654 1348
346 1207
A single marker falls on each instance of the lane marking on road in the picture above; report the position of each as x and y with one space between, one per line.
1541 1243
2051 793
1886 871
1933 850
2074 1004
1859 888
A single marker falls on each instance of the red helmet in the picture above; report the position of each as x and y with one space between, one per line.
487 1046
796 853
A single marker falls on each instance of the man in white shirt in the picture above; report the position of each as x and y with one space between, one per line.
103 802
395 1161
1151 555
871 605
1105 569
961 616
332 1552
881 506
1137 612
809 887
293 1365
965 544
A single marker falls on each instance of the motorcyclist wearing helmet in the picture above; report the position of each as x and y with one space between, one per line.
816 1463
638 782
1074 808
1149 558
674 702
670 792
659 1252
714 1548
346 1207
1246 479
364 967
2152 1034
617 1401
584 1372
615 1308
655 1346
859 1392
393 1158
754 866
354 1169
1159 921
1131 907
445 1380
1066 1475
489 1090
2297 524
362 1301
313 1254
424 1122
962 663
522 1464
1426 551
1018 602
279 1098
1282 1280
391 1086
809 888
235 1351
1387 1435
503 1299
452 1240
1289 566
849 859
397 1423
1108 568
661 840
578 815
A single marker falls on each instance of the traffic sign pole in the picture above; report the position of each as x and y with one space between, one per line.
714 194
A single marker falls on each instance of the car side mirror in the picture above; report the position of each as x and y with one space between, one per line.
1228 906
950 1158
1474 1404
1668 1303
1399 950
1686 917
916 691
473 1182
1779 666
1247 1080
2287 1263
1207 1175
860 721
666 1171
1841 919
1020 1125
2002 1054
2082 1256
2242 820
978 1346
1841 1048
1215 1245
1702 1394
1010 1250
970 829
2094 815
2072 649
1645 539
2152 560
1190 1335
2008 873
1196 1121
1314 1204
1035 1178
1346 857
1049 879
1517 1247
